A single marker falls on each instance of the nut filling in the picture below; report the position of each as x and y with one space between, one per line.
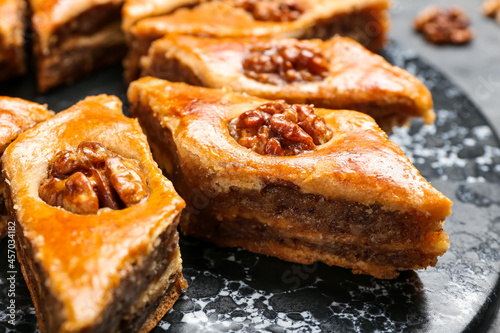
280 129
282 64
272 10
92 178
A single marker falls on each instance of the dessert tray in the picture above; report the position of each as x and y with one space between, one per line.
236 290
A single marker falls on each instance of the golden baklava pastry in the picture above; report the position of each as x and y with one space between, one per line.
16 116
96 221
366 21
291 181
73 38
134 10
334 74
12 29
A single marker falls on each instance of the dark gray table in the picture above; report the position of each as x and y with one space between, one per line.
474 67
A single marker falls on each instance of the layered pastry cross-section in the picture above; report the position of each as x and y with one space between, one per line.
73 38
363 20
291 181
12 30
334 74
16 116
96 221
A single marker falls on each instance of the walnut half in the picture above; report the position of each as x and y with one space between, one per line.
92 178
282 64
441 26
272 10
280 129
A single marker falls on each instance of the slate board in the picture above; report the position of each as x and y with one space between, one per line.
235 290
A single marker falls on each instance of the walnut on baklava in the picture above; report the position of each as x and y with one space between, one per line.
335 74
96 221
366 21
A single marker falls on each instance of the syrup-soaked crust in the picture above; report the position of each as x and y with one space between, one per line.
356 79
16 116
134 10
85 34
12 28
359 173
82 268
320 19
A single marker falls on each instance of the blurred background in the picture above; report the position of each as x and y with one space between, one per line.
474 67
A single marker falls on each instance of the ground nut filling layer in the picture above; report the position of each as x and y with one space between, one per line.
280 129
272 10
91 178
282 64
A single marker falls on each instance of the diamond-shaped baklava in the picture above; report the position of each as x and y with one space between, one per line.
96 230
335 74
364 20
291 181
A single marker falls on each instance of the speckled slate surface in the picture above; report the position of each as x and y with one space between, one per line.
235 290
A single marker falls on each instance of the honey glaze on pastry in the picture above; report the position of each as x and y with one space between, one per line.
92 178
16 116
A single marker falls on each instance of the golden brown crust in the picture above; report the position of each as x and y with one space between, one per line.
355 201
320 19
84 258
16 116
12 40
134 10
357 79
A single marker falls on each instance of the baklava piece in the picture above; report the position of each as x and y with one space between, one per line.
73 38
12 29
16 116
291 181
335 74
366 21
96 221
